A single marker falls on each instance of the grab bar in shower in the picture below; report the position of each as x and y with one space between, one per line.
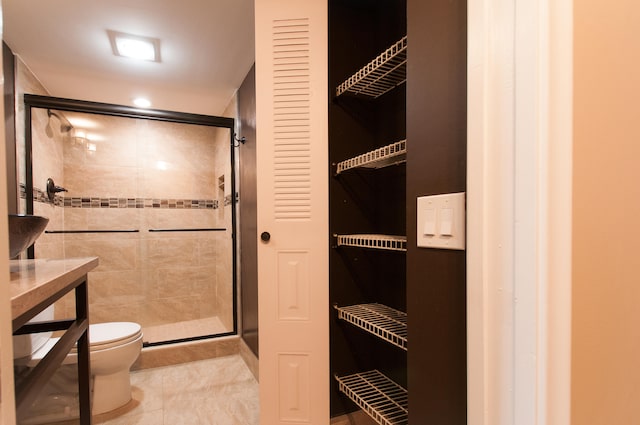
209 229
92 231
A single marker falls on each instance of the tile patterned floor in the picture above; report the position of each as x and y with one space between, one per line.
220 391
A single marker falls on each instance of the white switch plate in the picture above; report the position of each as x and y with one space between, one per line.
449 219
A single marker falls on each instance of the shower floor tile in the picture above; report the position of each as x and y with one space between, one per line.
186 329
220 391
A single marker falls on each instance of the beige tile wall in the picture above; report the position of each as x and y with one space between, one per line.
25 82
152 278
47 157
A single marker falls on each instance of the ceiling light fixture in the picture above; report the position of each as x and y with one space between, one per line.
134 46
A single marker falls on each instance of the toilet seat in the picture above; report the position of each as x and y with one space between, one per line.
112 334
102 336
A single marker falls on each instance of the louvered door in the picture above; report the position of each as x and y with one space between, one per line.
291 87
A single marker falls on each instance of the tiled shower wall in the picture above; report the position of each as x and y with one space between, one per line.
152 278
142 175
50 149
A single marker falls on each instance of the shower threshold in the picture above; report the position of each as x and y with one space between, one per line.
184 330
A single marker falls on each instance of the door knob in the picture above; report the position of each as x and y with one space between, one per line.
265 236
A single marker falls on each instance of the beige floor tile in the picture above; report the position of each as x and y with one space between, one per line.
218 391
240 402
205 375
222 408
146 391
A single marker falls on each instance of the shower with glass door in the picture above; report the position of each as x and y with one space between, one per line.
149 193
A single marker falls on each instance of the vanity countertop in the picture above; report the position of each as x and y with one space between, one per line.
34 281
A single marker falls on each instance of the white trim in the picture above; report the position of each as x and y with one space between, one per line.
476 356
490 180
519 211
530 200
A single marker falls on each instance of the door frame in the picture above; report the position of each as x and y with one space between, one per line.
519 211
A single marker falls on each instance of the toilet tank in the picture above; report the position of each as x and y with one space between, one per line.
25 345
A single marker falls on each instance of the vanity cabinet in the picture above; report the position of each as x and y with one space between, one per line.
34 286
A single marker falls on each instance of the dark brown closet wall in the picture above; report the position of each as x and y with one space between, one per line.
248 211
436 164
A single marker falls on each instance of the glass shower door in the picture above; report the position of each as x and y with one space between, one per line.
152 199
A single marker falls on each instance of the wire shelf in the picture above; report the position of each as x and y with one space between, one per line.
386 242
381 398
384 322
385 156
381 75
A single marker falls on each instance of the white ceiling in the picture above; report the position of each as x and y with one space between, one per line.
207 48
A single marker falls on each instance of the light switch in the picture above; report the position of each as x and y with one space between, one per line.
429 222
441 221
446 222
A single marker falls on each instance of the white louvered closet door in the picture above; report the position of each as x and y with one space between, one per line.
292 169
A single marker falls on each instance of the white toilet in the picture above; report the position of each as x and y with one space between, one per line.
114 347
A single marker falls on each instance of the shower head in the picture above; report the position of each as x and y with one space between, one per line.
65 125
48 130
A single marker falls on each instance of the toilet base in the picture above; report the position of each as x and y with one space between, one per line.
112 391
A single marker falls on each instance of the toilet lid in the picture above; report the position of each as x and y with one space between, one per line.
112 332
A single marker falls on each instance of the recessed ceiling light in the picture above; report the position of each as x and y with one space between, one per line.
141 102
134 46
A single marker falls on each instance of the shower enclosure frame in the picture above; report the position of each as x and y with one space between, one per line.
82 106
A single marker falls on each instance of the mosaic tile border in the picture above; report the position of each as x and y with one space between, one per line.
40 195
84 202
95 202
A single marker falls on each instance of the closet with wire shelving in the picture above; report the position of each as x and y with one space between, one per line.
367 151
397 131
